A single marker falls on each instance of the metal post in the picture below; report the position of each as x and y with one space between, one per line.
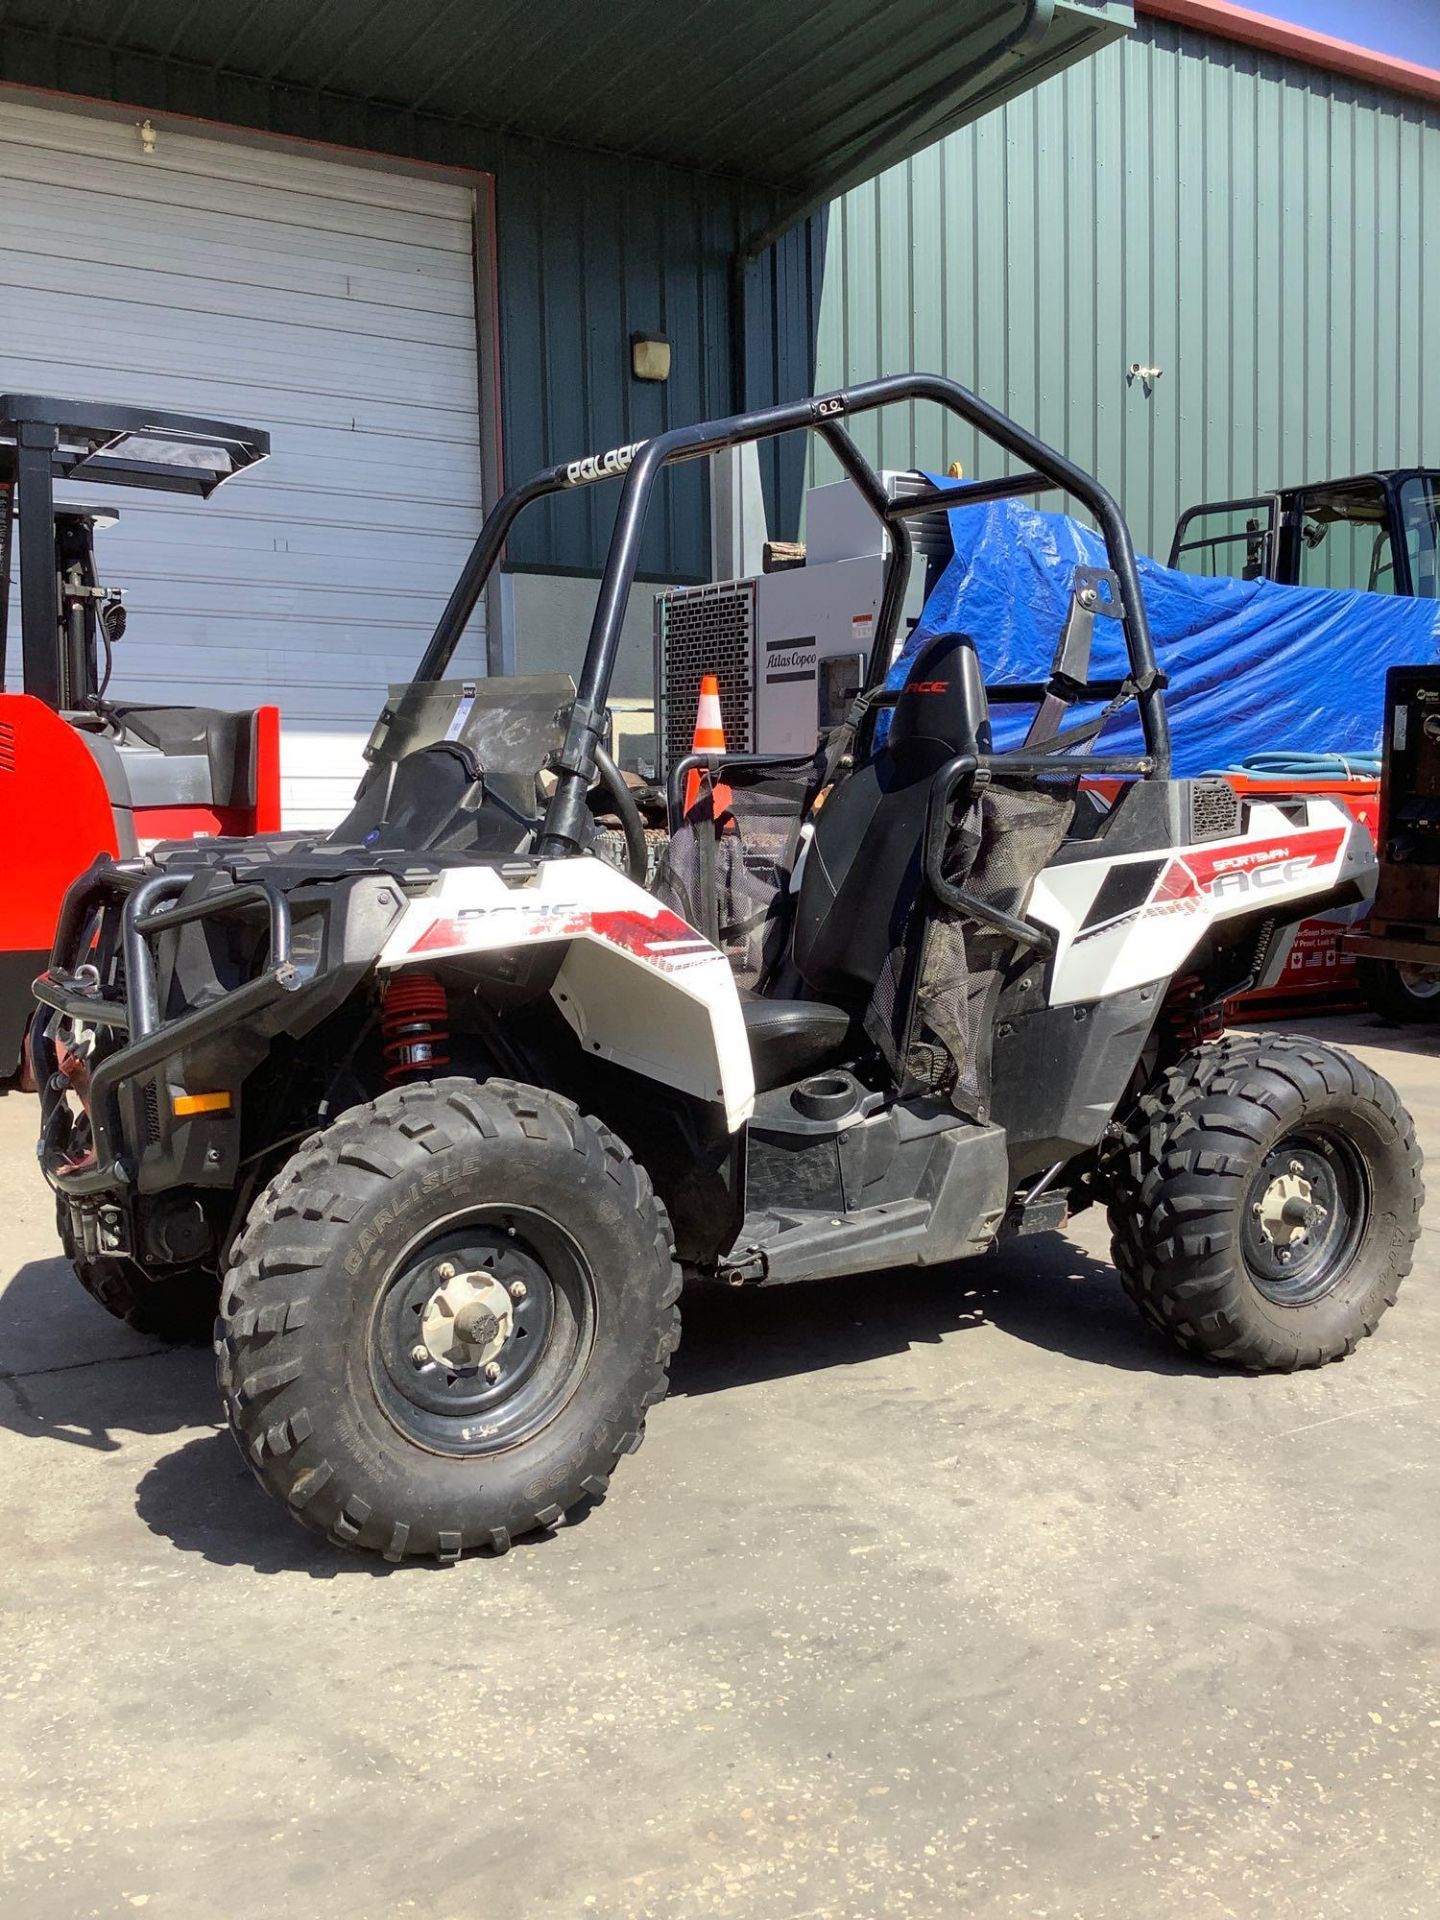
898 559
39 585
737 513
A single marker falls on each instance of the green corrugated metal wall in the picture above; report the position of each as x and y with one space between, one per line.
1255 228
592 248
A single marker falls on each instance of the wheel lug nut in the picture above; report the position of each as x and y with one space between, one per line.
518 1290
492 1371
1297 1166
1284 1253
1257 1209
446 1270
419 1356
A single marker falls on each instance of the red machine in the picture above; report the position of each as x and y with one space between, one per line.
1320 973
80 773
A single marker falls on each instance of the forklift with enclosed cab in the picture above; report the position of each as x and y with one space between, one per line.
1372 533
83 772
447 1108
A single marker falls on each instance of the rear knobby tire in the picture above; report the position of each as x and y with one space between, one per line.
1408 996
177 1305
336 1274
1196 1233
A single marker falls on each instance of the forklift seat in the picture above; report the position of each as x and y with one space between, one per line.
861 876
792 1038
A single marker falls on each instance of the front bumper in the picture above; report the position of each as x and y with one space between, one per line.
97 1120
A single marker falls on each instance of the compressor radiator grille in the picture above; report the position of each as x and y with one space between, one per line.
702 630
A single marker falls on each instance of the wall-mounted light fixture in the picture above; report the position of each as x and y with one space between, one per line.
649 356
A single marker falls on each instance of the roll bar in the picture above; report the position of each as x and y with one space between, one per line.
823 414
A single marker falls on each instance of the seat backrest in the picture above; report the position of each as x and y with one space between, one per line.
415 804
862 870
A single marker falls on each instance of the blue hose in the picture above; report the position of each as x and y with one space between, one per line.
1308 766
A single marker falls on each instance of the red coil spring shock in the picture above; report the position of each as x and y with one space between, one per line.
1194 1019
414 1027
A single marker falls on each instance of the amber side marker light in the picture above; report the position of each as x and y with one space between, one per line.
187 1103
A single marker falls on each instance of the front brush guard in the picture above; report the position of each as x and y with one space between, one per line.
74 989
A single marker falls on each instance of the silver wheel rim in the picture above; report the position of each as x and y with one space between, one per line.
1421 983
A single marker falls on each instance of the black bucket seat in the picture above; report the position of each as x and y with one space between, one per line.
862 874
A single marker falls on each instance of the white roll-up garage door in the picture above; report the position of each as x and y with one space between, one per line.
333 304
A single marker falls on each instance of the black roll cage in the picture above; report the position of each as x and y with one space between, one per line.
640 463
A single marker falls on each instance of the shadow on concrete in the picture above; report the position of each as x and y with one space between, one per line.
69 1371
48 1320
202 1497
1043 1290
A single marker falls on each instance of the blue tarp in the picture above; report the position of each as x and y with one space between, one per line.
1253 667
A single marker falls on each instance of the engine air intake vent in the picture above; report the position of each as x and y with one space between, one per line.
1214 810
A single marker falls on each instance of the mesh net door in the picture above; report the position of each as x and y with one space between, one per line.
738 880
1005 838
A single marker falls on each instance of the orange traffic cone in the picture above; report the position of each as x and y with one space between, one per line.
709 738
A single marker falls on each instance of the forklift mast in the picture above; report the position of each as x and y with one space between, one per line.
82 773
43 440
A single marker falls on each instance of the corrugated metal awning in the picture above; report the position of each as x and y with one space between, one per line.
800 97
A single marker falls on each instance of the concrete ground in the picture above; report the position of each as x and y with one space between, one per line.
950 1595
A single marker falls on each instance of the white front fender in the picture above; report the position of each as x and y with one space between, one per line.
637 985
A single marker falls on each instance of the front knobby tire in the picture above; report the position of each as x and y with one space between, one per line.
447 1318
1266 1203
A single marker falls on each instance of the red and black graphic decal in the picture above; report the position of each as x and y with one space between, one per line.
1123 892
1230 870
661 939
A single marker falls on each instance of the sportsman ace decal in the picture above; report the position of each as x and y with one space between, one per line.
1123 923
1233 870
660 939
1228 873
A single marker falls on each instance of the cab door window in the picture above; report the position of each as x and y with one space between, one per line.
1344 540
1419 514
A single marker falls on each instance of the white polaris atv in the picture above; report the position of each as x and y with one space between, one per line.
447 1107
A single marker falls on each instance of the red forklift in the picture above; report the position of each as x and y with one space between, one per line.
1371 533
82 773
